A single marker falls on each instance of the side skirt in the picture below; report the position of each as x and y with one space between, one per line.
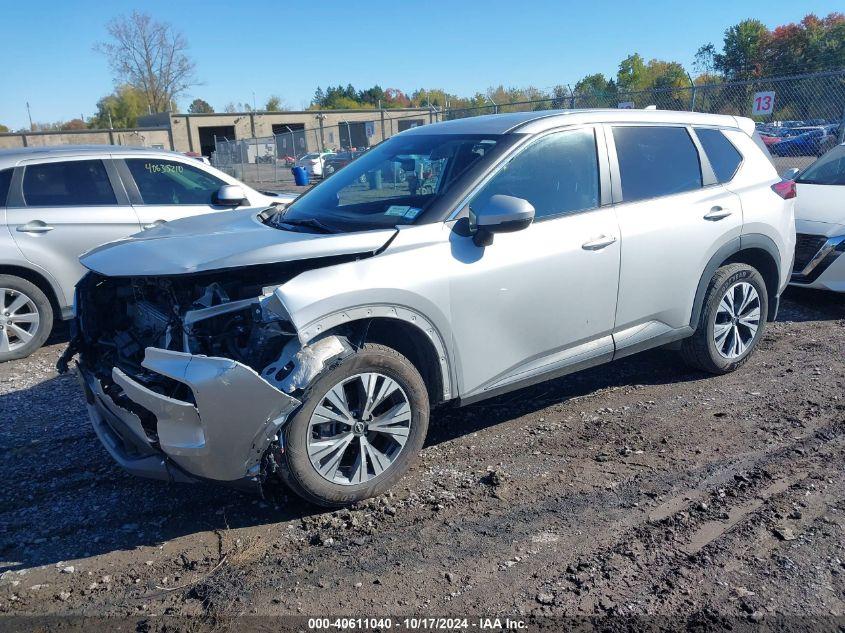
634 347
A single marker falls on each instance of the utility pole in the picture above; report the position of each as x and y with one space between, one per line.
29 114
692 96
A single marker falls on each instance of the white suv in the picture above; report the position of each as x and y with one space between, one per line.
314 162
58 202
310 343
820 222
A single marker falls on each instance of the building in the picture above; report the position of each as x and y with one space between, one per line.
298 131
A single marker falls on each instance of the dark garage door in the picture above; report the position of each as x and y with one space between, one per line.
290 139
407 124
358 131
207 135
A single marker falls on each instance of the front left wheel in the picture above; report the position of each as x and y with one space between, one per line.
360 427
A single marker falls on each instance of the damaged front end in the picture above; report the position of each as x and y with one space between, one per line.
193 376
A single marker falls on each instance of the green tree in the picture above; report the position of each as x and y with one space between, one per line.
200 106
632 74
667 75
596 91
3 129
274 104
120 109
704 62
744 50
372 96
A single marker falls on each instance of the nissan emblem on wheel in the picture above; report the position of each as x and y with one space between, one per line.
307 344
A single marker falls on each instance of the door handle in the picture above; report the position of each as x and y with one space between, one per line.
717 213
599 243
33 227
152 225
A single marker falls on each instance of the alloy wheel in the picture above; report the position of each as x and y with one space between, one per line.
359 428
19 319
737 320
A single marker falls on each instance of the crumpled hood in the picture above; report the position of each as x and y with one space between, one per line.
215 241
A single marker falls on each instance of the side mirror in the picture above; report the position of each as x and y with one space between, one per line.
790 174
230 195
501 214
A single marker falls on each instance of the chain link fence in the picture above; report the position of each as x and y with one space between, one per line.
266 162
799 118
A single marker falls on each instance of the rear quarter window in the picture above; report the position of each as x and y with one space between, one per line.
5 182
723 156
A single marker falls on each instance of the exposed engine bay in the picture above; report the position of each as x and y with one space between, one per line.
228 314
155 351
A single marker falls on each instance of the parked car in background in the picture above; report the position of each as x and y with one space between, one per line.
770 137
812 142
56 203
313 162
198 156
310 343
820 223
339 160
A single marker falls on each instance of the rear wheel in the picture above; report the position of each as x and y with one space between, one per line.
359 429
26 317
732 320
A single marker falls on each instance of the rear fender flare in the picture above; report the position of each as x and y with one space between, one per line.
728 250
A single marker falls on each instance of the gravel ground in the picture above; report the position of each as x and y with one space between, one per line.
638 488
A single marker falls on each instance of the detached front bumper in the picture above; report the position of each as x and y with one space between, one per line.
222 437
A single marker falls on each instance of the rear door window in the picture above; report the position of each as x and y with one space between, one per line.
170 182
723 156
77 183
656 161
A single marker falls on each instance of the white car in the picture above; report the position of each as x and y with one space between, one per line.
59 202
820 223
314 162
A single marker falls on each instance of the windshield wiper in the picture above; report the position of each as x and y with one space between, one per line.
310 223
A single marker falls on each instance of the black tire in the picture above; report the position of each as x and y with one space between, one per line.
700 351
296 468
43 308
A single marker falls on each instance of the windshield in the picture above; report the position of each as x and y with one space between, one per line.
393 183
828 170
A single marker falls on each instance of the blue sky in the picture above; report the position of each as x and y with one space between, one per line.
290 47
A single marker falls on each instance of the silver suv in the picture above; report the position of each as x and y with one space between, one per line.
56 203
450 263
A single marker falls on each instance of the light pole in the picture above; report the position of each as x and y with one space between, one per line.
29 114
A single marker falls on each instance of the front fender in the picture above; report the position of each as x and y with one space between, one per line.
409 282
